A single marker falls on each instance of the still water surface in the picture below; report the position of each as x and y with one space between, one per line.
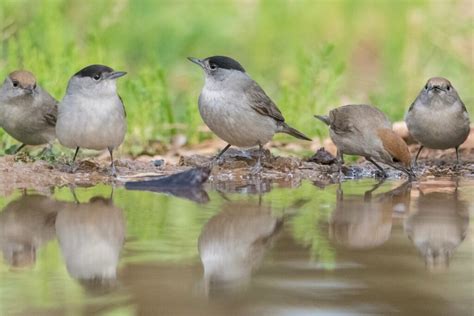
355 249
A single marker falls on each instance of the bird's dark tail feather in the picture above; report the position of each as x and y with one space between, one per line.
323 118
293 132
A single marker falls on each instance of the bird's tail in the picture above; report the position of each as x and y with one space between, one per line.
293 132
324 119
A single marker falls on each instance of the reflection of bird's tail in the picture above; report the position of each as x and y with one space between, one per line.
293 132
323 118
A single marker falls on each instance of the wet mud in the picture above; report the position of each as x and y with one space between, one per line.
231 172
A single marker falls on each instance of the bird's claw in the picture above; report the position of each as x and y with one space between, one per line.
256 169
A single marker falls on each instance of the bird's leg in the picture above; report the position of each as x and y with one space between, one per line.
339 193
113 171
340 157
368 194
47 151
257 168
340 162
219 155
73 163
19 148
75 155
458 162
417 154
73 192
384 174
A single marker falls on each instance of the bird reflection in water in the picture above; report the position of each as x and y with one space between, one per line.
26 224
438 226
365 221
91 236
233 243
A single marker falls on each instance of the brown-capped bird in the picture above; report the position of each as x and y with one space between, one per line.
27 112
365 131
437 118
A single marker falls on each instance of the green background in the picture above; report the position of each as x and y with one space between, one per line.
310 56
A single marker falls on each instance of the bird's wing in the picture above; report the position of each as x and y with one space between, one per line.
262 103
50 111
340 123
123 106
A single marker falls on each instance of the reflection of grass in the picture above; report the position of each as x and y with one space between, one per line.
165 229
308 55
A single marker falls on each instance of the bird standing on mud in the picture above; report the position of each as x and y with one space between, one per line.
27 112
437 118
91 114
236 108
365 131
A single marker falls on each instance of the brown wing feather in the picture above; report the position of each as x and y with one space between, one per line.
339 122
262 103
51 114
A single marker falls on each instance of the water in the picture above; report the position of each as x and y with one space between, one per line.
360 248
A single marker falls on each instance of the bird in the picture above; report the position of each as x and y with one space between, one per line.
438 118
27 112
363 130
237 109
92 115
26 225
437 226
91 236
364 221
233 243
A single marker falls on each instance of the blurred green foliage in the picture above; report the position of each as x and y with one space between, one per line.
308 55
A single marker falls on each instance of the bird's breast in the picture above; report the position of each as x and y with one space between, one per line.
91 123
229 115
440 127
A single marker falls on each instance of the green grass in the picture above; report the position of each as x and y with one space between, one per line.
310 56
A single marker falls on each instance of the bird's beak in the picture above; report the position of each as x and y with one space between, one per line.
197 61
116 74
436 89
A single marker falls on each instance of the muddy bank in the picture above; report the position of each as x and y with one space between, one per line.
230 174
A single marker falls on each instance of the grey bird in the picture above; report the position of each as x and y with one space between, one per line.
92 114
27 224
91 236
236 108
364 130
438 119
233 243
438 226
27 112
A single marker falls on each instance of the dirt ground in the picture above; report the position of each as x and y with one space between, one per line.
232 173
284 163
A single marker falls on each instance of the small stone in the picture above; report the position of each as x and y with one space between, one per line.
323 157
158 162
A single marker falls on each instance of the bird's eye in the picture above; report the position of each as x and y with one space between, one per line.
395 159
426 87
448 87
15 84
34 86
96 77
213 66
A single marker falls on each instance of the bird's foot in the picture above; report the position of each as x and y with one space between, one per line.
216 161
457 165
256 169
47 154
379 174
72 168
113 171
